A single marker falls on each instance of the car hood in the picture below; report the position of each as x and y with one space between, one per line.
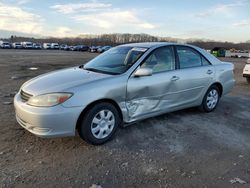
62 80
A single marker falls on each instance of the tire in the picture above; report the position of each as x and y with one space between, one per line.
99 123
248 80
211 99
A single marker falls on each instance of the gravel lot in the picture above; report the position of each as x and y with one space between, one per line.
181 149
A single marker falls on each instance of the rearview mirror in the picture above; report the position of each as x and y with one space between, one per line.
143 72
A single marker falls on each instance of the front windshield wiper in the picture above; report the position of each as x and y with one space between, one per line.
91 69
97 70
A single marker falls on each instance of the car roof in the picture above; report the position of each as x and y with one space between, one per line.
209 56
148 44
155 44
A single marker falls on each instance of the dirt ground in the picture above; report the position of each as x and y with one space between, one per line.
181 149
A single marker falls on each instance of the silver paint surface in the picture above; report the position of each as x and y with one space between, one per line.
137 97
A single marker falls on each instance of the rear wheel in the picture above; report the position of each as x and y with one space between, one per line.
248 80
211 99
99 123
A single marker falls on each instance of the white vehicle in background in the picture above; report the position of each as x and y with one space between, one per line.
17 45
55 46
46 46
246 71
37 46
5 45
27 45
238 53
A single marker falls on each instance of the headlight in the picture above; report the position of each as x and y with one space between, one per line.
49 100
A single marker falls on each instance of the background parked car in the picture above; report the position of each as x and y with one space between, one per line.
27 45
103 49
5 45
73 48
82 48
46 46
94 48
246 71
17 45
238 53
37 46
55 46
90 48
63 46
66 48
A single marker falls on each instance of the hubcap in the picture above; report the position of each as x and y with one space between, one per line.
102 124
212 99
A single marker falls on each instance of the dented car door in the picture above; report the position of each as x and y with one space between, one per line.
155 93
151 94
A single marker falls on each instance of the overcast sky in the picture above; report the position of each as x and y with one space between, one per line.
224 20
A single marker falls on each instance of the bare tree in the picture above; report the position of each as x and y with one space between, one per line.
118 38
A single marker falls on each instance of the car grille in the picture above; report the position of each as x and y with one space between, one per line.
25 96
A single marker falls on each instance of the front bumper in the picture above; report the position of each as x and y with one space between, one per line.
47 122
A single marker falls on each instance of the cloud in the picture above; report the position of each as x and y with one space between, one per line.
15 2
243 23
114 19
80 7
16 19
22 2
147 26
221 9
63 32
102 15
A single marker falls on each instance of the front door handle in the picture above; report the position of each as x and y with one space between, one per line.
209 72
175 78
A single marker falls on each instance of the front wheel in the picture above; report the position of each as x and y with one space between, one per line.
99 123
211 99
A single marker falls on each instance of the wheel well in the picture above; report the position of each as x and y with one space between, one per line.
219 86
94 103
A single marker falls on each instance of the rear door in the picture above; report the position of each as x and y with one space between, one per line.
195 74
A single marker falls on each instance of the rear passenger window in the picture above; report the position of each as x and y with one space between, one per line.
188 57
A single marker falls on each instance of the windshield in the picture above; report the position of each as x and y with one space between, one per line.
116 60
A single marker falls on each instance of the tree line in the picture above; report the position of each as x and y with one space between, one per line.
117 39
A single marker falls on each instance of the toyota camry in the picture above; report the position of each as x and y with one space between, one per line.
125 84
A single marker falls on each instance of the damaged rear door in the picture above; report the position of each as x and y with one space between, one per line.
157 92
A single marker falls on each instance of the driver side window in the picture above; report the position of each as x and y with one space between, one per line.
161 60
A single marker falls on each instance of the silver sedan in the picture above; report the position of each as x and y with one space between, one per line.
123 85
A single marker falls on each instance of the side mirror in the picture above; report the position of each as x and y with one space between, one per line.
143 72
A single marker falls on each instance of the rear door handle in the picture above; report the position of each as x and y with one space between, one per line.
209 72
175 78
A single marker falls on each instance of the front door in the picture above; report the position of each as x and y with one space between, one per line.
155 93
